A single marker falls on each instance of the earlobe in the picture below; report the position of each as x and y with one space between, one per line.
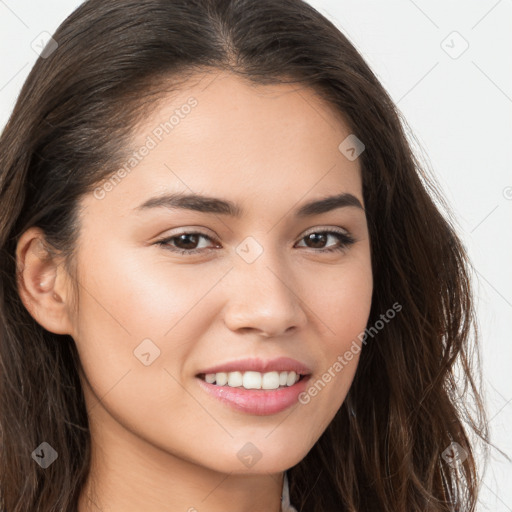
41 281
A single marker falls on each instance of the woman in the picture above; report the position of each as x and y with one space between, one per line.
225 281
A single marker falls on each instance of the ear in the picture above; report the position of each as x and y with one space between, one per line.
43 283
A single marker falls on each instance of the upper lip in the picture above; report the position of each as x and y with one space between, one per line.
280 364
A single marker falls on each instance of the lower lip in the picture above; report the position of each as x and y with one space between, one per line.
257 401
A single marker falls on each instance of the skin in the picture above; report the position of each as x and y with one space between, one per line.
159 441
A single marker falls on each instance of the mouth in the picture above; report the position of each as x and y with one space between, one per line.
252 392
252 380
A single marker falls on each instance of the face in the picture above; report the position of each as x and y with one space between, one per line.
255 285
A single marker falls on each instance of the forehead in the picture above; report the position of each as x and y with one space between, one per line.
221 135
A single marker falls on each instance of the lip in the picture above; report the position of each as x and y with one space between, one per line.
256 401
280 364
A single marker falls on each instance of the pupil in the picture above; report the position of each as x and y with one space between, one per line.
317 237
183 238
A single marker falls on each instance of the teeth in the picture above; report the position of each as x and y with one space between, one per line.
271 380
210 378
253 380
235 379
290 381
220 378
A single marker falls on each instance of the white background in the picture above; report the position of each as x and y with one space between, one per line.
460 110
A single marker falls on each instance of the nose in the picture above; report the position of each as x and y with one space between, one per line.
263 298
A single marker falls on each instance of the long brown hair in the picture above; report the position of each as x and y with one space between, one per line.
69 129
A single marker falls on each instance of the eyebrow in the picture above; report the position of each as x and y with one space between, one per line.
206 204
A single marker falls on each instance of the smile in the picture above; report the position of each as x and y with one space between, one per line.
252 379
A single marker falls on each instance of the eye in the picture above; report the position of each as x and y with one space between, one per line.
321 237
184 243
189 242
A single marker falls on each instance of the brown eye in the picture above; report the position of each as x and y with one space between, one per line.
187 241
184 243
319 239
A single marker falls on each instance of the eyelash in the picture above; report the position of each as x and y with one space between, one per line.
345 239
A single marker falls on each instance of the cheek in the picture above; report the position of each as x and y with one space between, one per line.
135 331
342 302
341 297
128 297
132 313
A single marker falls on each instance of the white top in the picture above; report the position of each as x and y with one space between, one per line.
286 506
